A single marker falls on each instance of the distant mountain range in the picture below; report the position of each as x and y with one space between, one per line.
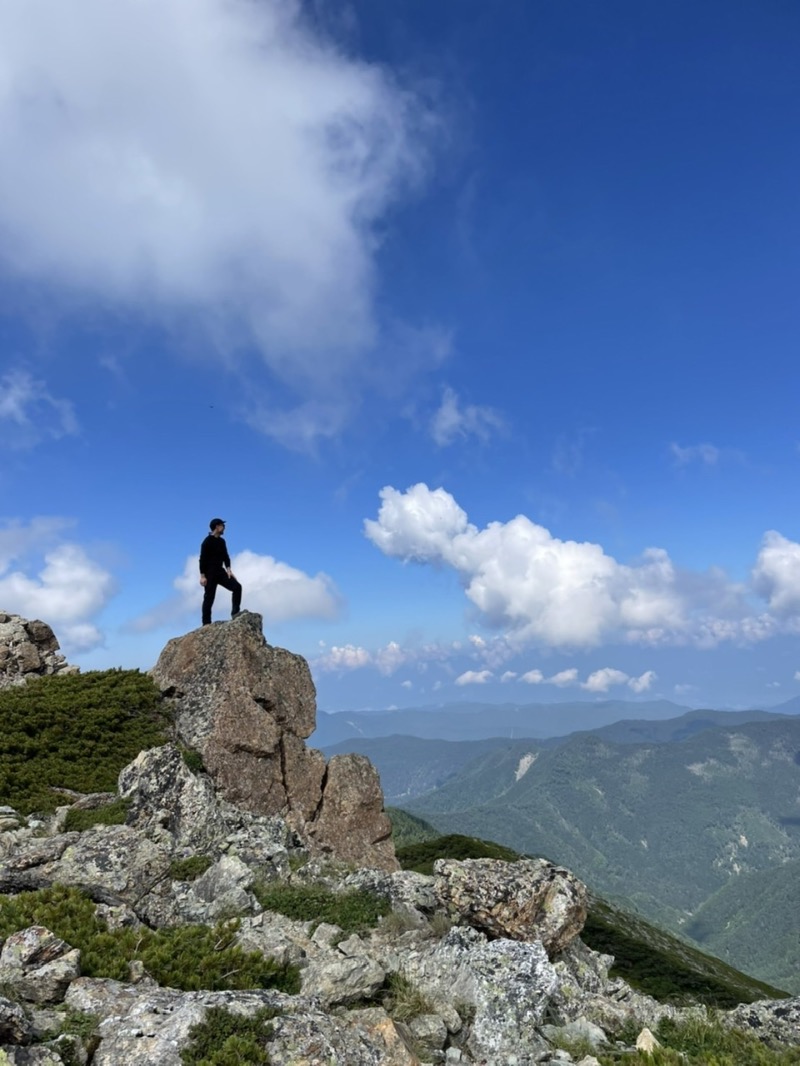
479 721
695 819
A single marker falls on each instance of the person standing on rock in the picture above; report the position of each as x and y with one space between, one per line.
215 569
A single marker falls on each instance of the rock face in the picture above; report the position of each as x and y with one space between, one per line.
247 708
28 649
525 899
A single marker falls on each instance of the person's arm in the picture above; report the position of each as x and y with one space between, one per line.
227 560
202 563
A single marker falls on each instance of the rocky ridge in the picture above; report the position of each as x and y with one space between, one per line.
491 949
28 649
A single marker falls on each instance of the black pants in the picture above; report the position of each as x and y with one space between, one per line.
229 583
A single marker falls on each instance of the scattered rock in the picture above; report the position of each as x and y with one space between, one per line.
28 649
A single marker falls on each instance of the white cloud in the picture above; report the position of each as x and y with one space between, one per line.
349 657
212 161
279 592
776 575
406 684
565 593
564 678
602 680
643 682
509 675
67 590
705 454
29 413
390 658
797 675
474 677
452 421
533 677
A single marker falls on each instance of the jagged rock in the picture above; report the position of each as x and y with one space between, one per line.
38 966
15 1025
28 649
429 1032
580 1029
773 1021
247 708
527 900
507 983
141 1028
342 980
406 890
30 1056
350 822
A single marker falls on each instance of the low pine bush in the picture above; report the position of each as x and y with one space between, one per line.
190 957
353 912
189 869
79 819
75 731
227 1039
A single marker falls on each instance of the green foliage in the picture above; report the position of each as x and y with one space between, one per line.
189 869
352 911
408 829
704 1042
227 1039
193 759
75 731
113 813
421 857
189 957
404 1001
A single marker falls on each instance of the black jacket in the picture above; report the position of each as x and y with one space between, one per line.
213 556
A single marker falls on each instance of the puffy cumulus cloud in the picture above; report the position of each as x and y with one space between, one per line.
776 574
604 679
348 657
509 675
67 590
533 677
29 413
219 159
281 593
454 421
474 677
564 678
705 454
564 593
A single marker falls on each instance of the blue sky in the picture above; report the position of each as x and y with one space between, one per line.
477 323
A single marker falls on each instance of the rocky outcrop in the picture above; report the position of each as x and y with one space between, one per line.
28 649
247 708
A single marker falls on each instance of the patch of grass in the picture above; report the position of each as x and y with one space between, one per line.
404 1000
193 759
421 857
113 813
190 957
353 911
75 731
698 1042
189 869
227 1039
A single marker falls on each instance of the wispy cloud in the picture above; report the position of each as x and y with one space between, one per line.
704 454
454 421
30 414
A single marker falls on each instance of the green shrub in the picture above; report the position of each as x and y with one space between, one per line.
704 1042
193 759
113 813
352 911
75 731
190 957
227 1039
189 869
404 1001
421 857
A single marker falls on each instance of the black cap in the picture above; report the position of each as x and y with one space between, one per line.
212 525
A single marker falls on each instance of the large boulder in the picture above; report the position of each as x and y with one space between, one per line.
247 708
527 900
28 649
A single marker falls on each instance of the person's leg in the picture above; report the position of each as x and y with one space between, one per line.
233 586
208 600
